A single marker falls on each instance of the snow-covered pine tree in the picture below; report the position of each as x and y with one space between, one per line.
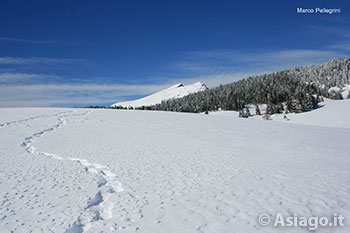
257 110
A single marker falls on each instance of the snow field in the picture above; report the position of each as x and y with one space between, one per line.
139 171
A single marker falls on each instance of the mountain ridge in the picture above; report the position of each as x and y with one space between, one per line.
176 91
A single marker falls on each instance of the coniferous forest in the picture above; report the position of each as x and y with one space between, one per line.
295 90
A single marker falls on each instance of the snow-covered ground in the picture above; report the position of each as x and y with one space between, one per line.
176 91
331 113
82 170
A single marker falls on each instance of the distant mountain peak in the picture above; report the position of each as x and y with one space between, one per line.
176 91
176 86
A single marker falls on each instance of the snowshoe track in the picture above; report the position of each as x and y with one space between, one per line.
98 208
29 119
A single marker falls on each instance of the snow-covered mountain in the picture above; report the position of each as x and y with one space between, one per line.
176 91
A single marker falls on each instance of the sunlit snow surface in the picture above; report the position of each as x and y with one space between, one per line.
331 113
82 170
176 91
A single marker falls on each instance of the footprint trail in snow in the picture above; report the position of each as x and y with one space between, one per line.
98 208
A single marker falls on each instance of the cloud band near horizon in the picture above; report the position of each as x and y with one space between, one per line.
210 67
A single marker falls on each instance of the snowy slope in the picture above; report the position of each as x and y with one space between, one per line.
176 91
81 170
331 113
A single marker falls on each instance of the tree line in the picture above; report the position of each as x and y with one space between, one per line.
296 90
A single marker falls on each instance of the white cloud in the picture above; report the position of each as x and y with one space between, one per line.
132 89
19 40
39 60
45 95
277 57
234 64
300 55
27 89
8 77
341 46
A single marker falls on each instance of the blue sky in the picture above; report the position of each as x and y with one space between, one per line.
78 53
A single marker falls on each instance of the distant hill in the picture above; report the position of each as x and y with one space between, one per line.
176 91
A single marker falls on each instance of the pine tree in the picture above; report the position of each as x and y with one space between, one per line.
257 110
